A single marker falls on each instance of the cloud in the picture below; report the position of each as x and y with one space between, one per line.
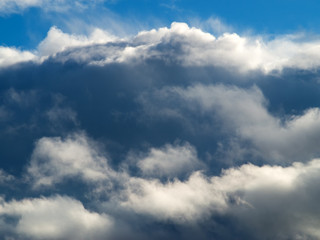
250 196
10 56
17 6
56 217
216 25
57 41
178 201
240 195
170 161
193 47
55 159
247 201
5 177
244 112
141 130
179 44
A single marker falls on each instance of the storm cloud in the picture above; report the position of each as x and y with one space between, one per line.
169 134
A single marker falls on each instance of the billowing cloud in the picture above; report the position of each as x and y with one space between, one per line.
193 47
169 161
160 136
52 218
245 113
252 195
10 56
57 41
55 159
181 44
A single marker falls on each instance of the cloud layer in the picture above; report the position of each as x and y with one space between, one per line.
179 44
170 134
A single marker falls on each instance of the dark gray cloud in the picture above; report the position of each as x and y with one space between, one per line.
169 135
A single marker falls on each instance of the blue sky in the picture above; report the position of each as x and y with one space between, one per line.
26 27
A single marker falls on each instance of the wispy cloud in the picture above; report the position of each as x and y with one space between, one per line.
18 6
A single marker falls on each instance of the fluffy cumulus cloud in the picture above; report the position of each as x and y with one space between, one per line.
54 159
169 134
52 218
252 195
170 161
57 41
182 44
10 56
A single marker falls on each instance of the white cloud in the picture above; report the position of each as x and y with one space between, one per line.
57 41
170 161
179 201
231 50
17 6
200 196
55 159
9 6
10 56
188 46
178 32
244 113
243 193
193 47
216 25
55 218
240 193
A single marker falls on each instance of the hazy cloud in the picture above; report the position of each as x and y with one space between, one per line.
17 6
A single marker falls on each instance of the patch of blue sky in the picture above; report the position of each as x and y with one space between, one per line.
26 27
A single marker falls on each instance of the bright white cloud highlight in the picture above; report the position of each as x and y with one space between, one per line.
55 159
57 41
170 161
193 47
239 193
10 56
243 193
179 201
55 218
180 43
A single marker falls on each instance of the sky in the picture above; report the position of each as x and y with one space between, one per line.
159 119
25 23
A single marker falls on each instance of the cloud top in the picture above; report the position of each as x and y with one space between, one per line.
181 44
